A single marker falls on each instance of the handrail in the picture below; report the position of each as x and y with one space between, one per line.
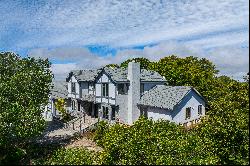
89 127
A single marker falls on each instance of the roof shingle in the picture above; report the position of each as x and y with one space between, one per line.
163 96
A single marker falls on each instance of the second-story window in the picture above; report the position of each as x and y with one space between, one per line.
73 87
105 89
199 109
122 89
188 113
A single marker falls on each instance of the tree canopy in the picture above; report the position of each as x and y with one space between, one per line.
24 89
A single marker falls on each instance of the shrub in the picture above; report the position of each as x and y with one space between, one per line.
72 156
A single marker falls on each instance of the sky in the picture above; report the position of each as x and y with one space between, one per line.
84 34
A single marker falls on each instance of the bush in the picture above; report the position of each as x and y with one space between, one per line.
72 156
149 142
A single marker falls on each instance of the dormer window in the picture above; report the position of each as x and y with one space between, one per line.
73 87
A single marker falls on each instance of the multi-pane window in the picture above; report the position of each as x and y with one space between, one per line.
105 89
122 89
73 87
199 109
188 113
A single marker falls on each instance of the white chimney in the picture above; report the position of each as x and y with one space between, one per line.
133 92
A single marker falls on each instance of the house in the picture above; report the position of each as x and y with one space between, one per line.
179 104
123 94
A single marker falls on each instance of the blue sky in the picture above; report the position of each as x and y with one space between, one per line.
91 33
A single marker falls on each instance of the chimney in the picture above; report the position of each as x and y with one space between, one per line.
133 92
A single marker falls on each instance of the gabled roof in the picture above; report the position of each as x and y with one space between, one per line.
59 89
167 97
84 75
120 75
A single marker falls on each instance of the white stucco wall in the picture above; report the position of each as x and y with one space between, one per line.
192 100
158 113
98 90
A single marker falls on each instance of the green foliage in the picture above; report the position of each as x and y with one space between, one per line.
149 142
227 126
189 71
24 88
71 156
112 65
100 131
60 106
144 63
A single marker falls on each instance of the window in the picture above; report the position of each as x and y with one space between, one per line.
73 105
122 89
73 87
105 89
105 112
142 88
188 113
199 109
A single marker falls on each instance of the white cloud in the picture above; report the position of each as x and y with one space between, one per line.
231 61
61 71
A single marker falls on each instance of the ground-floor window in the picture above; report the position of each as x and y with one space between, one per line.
188 113
105 112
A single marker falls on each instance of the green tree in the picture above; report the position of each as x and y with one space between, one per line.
189 71
112 65
227 126
144 63
24 89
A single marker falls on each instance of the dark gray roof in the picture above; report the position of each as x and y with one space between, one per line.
85 75
120 75
163 96
59 89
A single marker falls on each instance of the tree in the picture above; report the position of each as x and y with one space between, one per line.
112 65
144 62
24 89
189 71
227 126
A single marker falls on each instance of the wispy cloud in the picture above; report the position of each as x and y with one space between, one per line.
231 61
76 33
117 23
